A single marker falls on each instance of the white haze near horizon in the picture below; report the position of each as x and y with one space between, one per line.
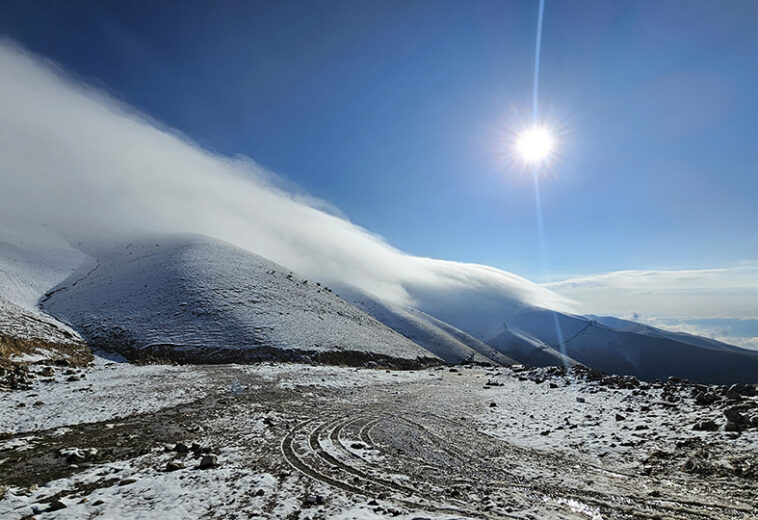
718 303
78 162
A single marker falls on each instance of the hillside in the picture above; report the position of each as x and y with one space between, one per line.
29 265
451 344
189 297
195 299
539 336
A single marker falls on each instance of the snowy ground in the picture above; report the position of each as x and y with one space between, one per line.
298 441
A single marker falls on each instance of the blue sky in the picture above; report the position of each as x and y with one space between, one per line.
398 112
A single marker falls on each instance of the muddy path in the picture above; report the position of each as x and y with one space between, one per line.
401 444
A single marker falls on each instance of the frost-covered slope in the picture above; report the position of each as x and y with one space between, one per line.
641 328
30 264
215 302
646 353
17 322
493 315
527 349
451 344
196 294
539 336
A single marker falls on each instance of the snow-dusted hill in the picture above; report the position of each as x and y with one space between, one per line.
200 299
31 263
194 297
543 337
642 328
527 349
451 344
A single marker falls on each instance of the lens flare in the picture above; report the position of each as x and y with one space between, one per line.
535 145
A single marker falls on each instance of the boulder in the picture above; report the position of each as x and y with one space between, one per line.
706 426
208 461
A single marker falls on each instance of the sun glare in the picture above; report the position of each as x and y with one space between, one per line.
534 145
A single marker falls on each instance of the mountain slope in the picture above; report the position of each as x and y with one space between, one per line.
194 297
649 330
527 349
198 299
539 336
644 354
451 344
30 264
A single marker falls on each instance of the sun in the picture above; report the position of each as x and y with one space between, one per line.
535 145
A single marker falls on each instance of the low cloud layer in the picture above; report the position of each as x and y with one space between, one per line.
718 303
77 161
697 293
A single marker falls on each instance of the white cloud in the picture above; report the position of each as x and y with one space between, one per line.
705 302
77 161
703 293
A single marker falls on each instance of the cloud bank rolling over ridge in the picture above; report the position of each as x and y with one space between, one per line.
77 161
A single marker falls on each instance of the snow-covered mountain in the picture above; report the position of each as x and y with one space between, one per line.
31 263
541 336
196 298
451 344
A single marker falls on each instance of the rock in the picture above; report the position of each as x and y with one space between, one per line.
47 372
73 378
739 389
732 427
734 415
180 447
208 461
56 505
75 457
706 426
705 398
620 417
259 493
493 405
174 465
313 500
580 400
689 466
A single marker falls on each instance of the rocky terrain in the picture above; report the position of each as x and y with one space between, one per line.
301 441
